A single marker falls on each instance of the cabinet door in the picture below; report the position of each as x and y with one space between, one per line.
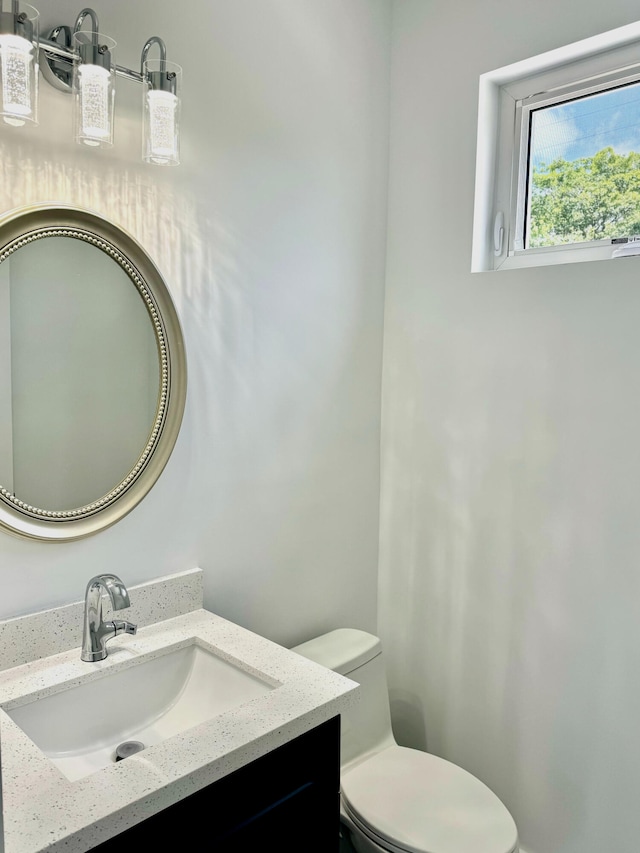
288 799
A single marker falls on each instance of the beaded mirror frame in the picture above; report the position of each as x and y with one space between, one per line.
19 228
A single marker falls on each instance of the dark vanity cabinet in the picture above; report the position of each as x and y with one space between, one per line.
287 800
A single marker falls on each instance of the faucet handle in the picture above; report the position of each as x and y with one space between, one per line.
122 627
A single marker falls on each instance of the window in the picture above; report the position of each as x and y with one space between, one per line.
558 162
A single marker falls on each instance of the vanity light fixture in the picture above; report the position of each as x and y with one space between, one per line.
80 61
93 83
162 79
19 64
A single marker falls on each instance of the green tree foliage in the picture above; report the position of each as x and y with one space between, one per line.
592 198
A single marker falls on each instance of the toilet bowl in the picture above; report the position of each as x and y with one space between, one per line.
394 799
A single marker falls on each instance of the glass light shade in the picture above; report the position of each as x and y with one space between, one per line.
93 89
161 132
19 73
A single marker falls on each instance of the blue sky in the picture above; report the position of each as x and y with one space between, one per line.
581 128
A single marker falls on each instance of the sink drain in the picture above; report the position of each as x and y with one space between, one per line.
129 747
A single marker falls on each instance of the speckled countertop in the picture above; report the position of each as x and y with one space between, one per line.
43 810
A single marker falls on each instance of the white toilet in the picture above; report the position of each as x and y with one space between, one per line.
394 799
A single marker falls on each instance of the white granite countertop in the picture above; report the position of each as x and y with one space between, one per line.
43 810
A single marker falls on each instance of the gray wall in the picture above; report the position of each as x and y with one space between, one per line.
271 237
510 542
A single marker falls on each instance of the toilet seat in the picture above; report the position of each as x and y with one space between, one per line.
408 801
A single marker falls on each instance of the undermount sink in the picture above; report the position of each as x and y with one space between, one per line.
150 700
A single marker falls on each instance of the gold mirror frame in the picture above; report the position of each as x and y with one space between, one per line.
17 229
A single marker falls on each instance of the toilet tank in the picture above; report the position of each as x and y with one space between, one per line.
366 727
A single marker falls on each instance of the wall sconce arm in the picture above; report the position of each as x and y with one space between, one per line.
147 47
95 26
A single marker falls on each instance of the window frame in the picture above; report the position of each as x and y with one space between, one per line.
506 98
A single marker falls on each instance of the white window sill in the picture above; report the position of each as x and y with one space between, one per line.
558 255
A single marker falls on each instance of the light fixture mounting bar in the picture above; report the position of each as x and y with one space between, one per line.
61 52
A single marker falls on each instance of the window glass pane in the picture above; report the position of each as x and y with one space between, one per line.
584 169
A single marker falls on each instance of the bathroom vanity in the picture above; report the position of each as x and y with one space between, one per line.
251 756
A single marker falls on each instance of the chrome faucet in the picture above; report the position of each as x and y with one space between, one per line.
96 632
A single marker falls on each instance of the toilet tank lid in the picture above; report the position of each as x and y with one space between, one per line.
342 650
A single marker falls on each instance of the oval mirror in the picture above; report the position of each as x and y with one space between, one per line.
92 373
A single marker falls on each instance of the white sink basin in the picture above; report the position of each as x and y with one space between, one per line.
150 700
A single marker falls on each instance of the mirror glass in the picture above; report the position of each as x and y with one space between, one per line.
92 373
81 374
